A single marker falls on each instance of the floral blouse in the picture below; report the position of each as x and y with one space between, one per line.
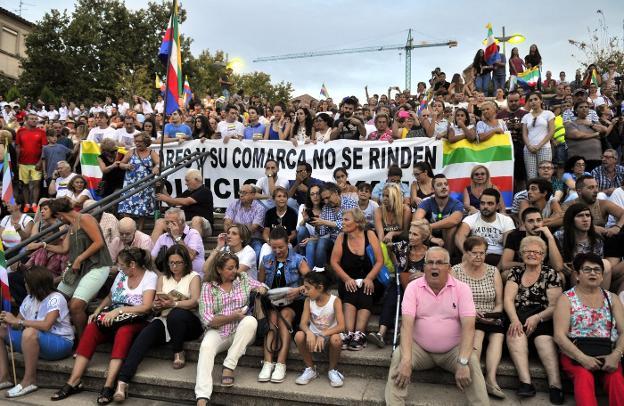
586 321
401 252
534 295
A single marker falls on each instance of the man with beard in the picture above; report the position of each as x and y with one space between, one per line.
489 224
539 195
513 117
348 127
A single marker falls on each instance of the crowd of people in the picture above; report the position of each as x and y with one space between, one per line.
541 277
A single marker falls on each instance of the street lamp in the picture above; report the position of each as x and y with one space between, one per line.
512 39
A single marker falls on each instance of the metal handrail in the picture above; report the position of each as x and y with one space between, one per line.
13 255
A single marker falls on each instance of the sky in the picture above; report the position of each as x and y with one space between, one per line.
251 29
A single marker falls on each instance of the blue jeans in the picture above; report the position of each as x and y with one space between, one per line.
294 204
323 251
499 82
482 83
51 346
256 244
310 248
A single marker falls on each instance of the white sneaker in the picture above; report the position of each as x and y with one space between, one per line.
336 379
265 372
307 376
279 373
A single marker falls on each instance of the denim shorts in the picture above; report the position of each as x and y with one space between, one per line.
51 346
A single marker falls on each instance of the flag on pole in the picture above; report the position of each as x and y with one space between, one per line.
324 91
89 152
7 179
425 101
188 94
169 54
4 282
527 79
594 78
158 83
491 54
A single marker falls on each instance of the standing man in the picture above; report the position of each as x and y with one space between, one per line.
348 127
438 327
513 117
498 75
487 223
29 144
255 129
230 127
102 129
125 136
177 130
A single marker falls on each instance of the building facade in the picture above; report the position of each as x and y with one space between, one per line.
13 32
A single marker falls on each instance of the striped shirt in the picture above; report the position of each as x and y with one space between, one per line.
214 301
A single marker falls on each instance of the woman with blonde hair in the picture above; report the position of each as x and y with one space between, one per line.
479 181
392 217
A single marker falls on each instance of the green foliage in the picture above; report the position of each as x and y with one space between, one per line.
259 84
48 96
600 48
5 84
12 94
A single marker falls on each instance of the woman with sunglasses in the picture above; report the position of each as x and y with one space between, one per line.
537 130
479 181
177 296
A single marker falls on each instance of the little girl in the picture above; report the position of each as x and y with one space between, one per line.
322 322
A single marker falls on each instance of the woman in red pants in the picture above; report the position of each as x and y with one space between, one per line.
132 294
587 311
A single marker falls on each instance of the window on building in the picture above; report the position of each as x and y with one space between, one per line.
8 41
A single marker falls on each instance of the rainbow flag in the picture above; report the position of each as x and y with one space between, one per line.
89 152
4 282
188 94
169 54
425 101
529 78
594 78
7 179
496 154
324 91
491 54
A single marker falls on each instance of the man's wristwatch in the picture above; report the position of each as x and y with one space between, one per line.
462 361
178 239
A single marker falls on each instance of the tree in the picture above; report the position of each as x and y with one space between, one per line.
259 84
600 48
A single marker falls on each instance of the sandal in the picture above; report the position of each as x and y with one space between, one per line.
66 391
121 394
203 400
179 360
105 396
227 380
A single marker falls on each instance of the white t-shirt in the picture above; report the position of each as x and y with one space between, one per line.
247 256
537 133
63 113
263 184
492 232
123 108
32 309
616 197
369 212
121 292
230 129
124 138
61 185
98 134
10 237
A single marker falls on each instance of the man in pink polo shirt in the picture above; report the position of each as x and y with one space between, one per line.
439 311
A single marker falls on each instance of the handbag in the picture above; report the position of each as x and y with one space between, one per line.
492 319
596 346
119 320
69 277
384 276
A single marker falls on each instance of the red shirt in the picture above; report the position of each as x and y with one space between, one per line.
31 144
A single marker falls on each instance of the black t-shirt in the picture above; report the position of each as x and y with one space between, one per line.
512 121
349 130
288 220
513 243
203 208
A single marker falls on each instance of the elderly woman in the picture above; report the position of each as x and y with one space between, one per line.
132 293
357 274
142 162
409 257
236 240
530 295
222 307
41 329
487 292
587 312
176 299
282 268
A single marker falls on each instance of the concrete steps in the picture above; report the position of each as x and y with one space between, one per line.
155 380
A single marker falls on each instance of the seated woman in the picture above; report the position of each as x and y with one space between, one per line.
409 259
357 275
479 181
487 292
15 227
236 240
461 129
588 311
282 268
307 234
132 293
392 217
54 263
222 308
530 295
78 192
177 296
41 329
422 186
579 235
